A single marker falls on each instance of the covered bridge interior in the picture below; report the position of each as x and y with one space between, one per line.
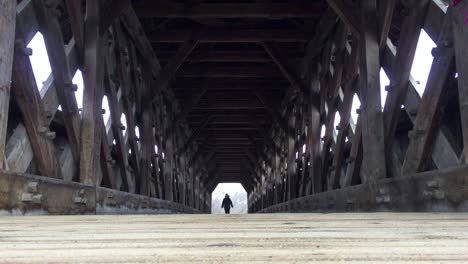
259 92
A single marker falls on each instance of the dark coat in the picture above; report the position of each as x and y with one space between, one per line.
227 203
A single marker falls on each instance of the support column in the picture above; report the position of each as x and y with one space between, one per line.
7 40
92 75
374 164
460 35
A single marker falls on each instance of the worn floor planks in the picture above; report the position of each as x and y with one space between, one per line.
282 238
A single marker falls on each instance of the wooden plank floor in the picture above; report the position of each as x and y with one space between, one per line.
283 238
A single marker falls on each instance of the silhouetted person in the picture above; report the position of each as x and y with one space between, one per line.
227 204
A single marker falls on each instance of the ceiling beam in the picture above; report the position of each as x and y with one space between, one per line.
232 36
345 13
229 56
168 72
197 71
309 9
281 61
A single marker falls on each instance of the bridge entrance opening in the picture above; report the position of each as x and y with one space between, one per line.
237 194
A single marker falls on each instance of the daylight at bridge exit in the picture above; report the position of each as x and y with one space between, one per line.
233 131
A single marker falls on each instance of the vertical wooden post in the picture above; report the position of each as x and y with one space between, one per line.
168 159
90 138
7 40
315 157
372 118
292 174
146 149
460 36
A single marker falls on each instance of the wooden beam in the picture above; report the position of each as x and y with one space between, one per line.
194 134
323 30
75 14
50 28
115 114
147 150
460 35
229 56
345 13
434 100
338 151
313 144
90 135
253 71
188 107
355 157
171 67
283 124
111 11
444 156
372 119
231 36
292 180
282 63
399 77
27 98
229 10
386 9
7 27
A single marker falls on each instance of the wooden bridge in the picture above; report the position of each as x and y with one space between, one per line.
256 92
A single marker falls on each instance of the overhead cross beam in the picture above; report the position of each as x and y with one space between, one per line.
345 14
309 9
231 36
195 134
110 12
168 72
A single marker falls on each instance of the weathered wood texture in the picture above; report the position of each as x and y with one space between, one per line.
233 101
7 27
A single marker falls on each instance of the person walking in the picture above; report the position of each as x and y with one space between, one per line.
227 204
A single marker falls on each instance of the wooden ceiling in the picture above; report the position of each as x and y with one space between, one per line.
248 55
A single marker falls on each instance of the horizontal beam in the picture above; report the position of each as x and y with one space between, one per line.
307 9
228 72
32 194
231 84
229 56
438 190
232 36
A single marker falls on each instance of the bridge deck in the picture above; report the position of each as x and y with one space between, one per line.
287 238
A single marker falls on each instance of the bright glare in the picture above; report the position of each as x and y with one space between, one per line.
78 80
237 194
422 61
39 60
123 121
384 81
105 106
356 105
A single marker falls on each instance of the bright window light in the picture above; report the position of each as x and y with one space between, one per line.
422 61
123 121
39 60
337 119
78 80
384 81
137 131
356 105
105 106
304 148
